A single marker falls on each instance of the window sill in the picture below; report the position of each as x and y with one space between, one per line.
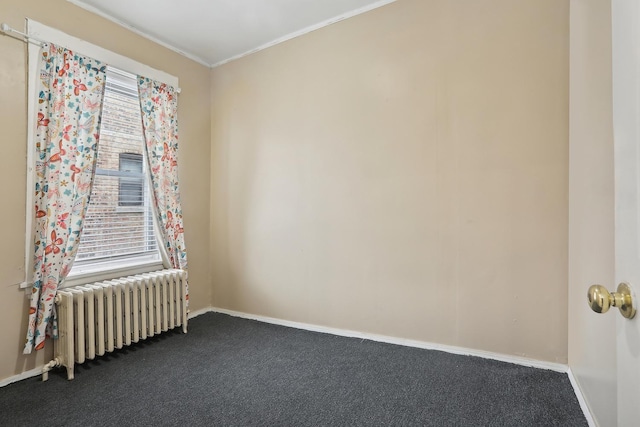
109 270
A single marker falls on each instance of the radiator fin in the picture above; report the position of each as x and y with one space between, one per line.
101 317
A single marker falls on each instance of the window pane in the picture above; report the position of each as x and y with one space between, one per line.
119 222
131 191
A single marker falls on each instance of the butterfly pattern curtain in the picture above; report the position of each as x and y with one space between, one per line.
70 93
159 106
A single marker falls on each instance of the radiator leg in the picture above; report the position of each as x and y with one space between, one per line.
49 366
70 372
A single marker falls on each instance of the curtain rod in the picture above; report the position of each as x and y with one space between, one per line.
6 29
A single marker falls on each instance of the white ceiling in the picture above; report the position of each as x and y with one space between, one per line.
213 32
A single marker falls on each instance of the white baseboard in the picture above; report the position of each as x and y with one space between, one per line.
200 312
581 400
23 376
557 367
38 371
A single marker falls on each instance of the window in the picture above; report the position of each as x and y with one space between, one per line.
131 190
118 236
118 227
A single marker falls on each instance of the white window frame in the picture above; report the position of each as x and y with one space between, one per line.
43 32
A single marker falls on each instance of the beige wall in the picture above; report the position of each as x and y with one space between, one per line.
403 173
194 156
592 343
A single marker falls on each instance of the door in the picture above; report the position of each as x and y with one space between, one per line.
625 16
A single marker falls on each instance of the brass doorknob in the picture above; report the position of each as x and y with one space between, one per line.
600 299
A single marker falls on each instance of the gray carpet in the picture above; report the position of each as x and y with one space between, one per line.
235 372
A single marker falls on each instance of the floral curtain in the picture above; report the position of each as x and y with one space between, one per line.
159 106
70 92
